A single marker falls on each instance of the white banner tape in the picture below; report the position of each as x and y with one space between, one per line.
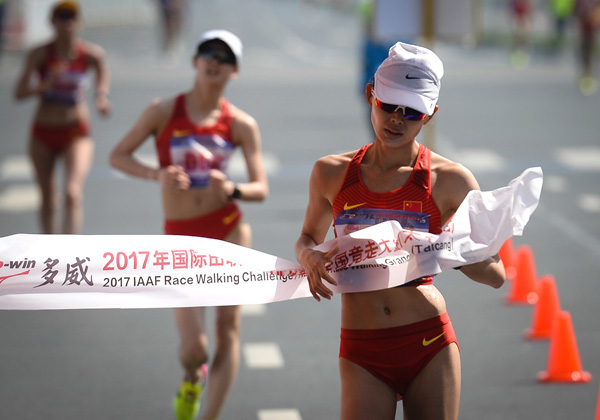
161 271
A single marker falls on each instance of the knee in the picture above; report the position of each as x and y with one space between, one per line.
73 196
228 329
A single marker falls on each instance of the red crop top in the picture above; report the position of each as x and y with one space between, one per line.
70 76
196 148
418 209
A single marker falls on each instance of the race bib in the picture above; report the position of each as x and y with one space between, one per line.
351 220
68 88
198 154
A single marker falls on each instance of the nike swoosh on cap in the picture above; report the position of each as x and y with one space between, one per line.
408 76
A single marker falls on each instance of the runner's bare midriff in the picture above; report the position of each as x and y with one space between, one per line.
196 202
59 114
391 307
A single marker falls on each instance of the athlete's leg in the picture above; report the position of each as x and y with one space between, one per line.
363 395
172 16
78 159
224 366
240 235
434 394
193 349
44 162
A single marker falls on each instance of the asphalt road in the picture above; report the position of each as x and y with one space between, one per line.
300 81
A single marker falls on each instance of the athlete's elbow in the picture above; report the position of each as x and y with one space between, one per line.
115 160
112 160
263 193
497 283
18 95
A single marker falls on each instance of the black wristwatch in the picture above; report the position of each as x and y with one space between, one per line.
236 194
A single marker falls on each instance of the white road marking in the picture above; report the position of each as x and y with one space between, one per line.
263 356
555 183
482 160
18 198
590 203
149 159
254 310
579 158
16 168
237 165
571 230
281 414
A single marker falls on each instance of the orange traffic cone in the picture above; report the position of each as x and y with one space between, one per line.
523 288
545 309
598 406
507 255
564 364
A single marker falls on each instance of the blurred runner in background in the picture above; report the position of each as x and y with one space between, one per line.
588 16
195 134
61 124
172 18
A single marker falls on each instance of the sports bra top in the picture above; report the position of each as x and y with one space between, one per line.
196 148
356 207
70 76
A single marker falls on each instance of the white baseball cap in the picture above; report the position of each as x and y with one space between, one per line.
410 76
233 42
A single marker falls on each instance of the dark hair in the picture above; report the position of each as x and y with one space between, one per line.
64 8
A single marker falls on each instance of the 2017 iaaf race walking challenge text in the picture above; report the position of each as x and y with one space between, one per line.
160 271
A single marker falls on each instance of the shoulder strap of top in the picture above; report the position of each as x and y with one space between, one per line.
179 107
353 171
50 52
422 175
226 117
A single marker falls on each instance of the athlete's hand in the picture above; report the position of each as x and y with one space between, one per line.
314 263
53 78
43 87
174 177
219 184
102 105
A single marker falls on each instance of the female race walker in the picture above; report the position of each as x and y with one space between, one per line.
61 125
195 133
396 343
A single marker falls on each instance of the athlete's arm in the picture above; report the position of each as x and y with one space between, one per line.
317 220
24 87
452 184
490 272
98 62
246 134
149 123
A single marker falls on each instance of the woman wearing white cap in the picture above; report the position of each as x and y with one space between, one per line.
396 343
195 134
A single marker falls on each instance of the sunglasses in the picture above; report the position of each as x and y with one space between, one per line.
65 15
223 57
409 113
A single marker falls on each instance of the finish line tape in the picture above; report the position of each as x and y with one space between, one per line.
165 271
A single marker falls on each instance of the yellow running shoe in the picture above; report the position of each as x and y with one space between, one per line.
588 85
187 401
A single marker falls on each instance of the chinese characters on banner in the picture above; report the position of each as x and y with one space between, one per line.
159 271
